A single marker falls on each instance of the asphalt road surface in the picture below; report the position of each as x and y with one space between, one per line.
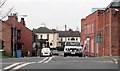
58 62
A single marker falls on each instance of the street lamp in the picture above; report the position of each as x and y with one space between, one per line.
88 39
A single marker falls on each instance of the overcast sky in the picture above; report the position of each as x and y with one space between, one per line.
56 13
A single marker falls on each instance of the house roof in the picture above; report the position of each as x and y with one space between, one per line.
42 30
114 4
69 33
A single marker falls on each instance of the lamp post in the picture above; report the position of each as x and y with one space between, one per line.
88 39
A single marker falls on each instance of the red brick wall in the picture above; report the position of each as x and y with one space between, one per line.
6 37
83 31
119 32
115 33
105 19
108 18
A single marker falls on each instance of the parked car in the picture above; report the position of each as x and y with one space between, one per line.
55 52
46 52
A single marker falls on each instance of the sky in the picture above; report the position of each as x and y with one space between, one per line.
55 13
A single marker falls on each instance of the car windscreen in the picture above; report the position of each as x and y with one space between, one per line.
72 44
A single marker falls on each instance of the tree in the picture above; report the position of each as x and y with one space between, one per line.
2 13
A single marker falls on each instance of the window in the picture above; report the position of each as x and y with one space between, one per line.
41 36
48 36
92 28
50 44
61 39
18 34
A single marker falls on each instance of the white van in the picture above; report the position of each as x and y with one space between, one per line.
73 48
46 52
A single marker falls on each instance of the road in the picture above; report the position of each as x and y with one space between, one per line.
58 62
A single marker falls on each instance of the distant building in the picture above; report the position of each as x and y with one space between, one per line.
54 37
68 35
45 35
15 35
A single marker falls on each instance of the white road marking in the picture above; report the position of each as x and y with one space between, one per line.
10 66
48 60
22 64
115 60
25 64
43 60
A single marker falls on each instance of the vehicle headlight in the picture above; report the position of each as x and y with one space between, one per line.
75 50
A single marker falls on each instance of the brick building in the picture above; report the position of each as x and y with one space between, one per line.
109 30
89 27
102 27
15 35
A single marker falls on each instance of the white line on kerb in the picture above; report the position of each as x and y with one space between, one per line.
43 60
48 60
25 64
8 67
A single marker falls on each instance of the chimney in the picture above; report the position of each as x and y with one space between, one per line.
22 21
13 16
70 29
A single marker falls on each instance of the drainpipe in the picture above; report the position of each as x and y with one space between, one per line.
13 41
110 31
95 38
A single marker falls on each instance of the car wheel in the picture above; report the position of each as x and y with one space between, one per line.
65 55
80 55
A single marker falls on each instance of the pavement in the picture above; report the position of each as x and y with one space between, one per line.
115 59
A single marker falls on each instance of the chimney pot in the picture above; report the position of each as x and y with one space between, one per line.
22 21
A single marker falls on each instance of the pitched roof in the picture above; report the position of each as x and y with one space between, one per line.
114 4
69 33
42 30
